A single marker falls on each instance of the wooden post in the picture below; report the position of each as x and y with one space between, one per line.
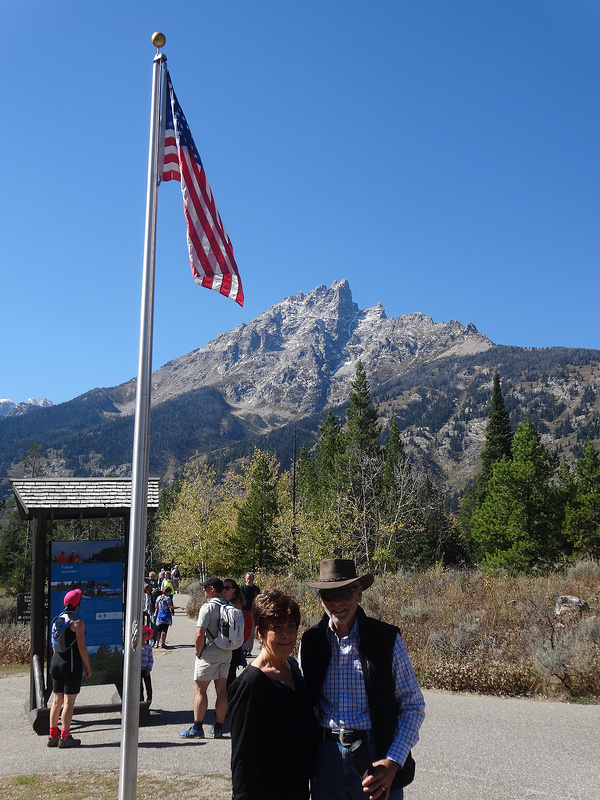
38 589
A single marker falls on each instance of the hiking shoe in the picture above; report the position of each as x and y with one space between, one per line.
216 733
192 733
53 741
68 742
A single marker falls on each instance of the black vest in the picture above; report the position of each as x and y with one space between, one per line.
375 648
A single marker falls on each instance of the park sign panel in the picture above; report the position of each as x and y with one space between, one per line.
96 568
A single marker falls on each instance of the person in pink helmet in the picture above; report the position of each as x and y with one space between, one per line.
69 658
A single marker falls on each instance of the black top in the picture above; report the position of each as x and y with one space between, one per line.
71 655
249 593
273 737
156 593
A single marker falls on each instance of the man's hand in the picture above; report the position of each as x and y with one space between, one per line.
377 786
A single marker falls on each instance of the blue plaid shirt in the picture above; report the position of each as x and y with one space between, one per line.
344 701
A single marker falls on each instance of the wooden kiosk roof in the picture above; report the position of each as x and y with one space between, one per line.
77 498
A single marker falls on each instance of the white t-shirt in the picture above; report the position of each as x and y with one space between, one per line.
208 617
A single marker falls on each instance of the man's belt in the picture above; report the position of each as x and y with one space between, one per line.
346 737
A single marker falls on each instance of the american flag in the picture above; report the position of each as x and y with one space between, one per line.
211 252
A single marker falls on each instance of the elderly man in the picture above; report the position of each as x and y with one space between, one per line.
365 690
212 663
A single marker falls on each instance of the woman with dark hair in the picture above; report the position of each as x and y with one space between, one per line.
66 669
273 728
233 593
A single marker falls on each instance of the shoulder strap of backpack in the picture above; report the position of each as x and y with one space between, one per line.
60 629
216 601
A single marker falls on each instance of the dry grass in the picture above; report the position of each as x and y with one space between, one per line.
93 785
14 644
492 634
464 630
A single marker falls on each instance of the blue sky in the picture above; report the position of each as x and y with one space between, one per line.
440 154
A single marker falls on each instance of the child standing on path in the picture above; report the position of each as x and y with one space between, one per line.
164 616
147 664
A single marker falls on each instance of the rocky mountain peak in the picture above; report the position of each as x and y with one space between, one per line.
300 355
10 409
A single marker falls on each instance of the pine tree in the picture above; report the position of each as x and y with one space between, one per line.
498 442
254 543
361 469
394 459
32 463
582 517
518 524
328 454
306 478
498 435
15 550
363 430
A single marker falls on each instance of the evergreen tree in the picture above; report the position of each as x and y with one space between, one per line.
582 517
306 478
498 435
394 459
254 543
361 470
363 430
328 454
32 463
15 549
498 442
517 526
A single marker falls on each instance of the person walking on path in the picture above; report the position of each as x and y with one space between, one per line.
176 578
66 669
212 663
232 592
249 592
167 582
363 684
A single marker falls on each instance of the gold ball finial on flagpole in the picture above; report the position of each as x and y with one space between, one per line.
159 39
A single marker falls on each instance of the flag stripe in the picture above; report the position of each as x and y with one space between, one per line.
211 253
205 219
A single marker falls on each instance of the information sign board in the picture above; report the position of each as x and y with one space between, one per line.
96 568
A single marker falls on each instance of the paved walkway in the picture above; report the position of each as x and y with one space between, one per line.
471 748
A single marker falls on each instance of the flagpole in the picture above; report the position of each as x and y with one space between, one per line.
139 473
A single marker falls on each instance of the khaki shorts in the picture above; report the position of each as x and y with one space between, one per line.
212 665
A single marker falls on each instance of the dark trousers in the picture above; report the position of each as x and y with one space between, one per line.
147 682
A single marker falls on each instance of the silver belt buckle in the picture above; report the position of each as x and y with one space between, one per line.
346 742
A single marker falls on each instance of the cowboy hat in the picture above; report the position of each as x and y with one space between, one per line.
336 573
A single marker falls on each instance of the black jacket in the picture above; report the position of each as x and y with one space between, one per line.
376 645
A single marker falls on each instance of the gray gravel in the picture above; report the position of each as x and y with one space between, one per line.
471 748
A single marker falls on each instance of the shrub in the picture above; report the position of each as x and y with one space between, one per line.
8 611
466 630
15 644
